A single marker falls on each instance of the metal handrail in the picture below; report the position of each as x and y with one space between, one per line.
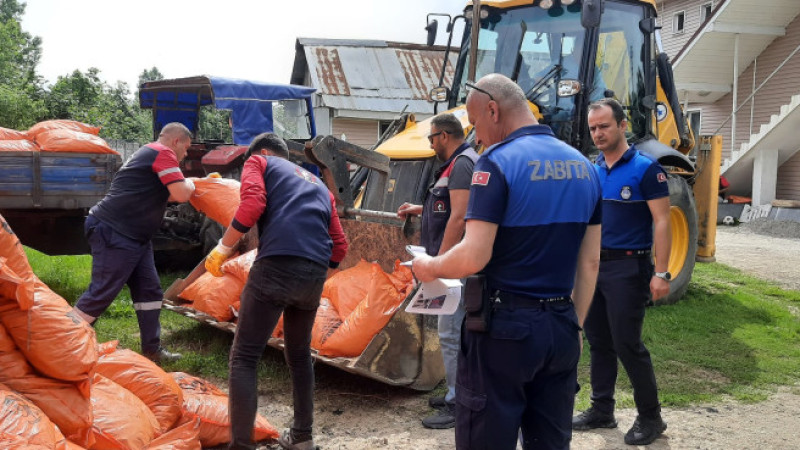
750 97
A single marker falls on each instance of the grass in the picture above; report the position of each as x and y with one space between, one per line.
731 337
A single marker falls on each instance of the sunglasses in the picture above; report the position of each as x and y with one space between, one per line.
471 86
431 136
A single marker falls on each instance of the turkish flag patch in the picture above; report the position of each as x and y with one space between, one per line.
660 177
480 178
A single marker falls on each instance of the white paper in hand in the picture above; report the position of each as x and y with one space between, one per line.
439 297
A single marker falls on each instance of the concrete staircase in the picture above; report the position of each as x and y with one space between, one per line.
780 132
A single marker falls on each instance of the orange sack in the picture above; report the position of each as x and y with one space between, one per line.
207 402
183 437
53 339
17 261
61 124
121 420
240 266
217 198
7 134
14 291
370 316
325 324
22 424
214 296
68 141
346 289
66 404
17 146
147 381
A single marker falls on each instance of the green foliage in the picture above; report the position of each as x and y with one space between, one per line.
731 336
20 87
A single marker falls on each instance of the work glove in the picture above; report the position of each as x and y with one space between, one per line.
218 256
189 182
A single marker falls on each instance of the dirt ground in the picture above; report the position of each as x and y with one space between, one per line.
353 414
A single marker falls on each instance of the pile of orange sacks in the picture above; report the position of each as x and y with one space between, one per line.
59 389
55 136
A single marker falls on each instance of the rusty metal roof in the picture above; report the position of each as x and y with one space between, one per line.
369 75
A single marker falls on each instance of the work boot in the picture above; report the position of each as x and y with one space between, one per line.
162 355
592 418
286 440
437 402
444 418
645 431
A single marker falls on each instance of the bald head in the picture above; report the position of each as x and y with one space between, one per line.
497 108
177 137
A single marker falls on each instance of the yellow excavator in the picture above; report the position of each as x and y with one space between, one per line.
565 54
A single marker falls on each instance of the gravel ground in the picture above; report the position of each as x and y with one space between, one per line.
352 418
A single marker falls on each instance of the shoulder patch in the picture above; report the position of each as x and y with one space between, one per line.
661 177
480 178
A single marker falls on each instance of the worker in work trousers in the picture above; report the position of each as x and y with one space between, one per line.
533 230
120 227
635 214
300 242
443 211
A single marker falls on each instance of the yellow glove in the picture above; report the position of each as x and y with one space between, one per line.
218 256
214 175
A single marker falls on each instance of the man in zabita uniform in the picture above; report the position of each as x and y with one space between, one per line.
121 226
533 233
635 216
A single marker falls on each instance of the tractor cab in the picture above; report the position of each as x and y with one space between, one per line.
255 108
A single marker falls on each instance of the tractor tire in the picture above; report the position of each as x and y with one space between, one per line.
683 227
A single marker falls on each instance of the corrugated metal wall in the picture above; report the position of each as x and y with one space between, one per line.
359 132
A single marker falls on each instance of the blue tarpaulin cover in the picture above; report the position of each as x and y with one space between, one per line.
249 101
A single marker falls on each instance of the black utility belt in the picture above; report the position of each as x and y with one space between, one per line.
614 253
513 301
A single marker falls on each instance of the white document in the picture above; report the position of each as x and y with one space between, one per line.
439 297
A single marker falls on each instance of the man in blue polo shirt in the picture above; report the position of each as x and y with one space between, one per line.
533 230
635 215
445 206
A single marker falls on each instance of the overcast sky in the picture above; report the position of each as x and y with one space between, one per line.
230 38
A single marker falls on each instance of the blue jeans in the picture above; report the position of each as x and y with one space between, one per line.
118 260
450 342
277 284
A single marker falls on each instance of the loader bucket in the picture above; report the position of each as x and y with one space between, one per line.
404 353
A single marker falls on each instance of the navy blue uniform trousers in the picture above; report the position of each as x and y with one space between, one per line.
613 328
521 375
116 261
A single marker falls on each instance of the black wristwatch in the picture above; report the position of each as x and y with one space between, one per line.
663 275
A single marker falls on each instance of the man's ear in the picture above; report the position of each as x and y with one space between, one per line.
494 112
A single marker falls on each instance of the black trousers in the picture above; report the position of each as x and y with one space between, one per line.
277 284
614 330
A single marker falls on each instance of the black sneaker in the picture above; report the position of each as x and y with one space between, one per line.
592 418
645 431
162 355
443 419
437 402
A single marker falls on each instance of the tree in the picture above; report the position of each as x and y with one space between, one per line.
21 89
150 75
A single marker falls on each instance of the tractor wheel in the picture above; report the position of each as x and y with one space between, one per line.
683 226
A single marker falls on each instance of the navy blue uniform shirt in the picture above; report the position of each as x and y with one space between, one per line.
627 186
542 193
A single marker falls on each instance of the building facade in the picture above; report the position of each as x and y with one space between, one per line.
737 72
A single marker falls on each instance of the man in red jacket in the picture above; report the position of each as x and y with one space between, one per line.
300 239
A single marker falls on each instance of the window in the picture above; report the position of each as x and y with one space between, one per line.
677 22
705 11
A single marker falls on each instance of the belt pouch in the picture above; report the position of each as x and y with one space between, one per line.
476 304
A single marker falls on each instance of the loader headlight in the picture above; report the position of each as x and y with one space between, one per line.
439 94
567 2
546 4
